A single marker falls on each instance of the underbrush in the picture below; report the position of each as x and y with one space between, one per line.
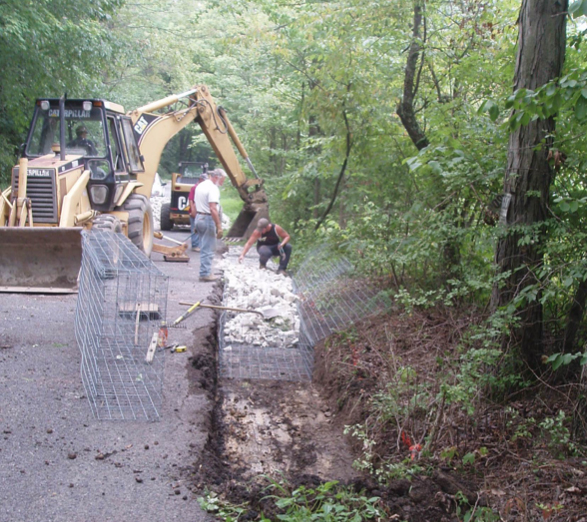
328 502
426 390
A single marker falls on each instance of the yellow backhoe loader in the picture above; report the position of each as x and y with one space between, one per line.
176 210
87 163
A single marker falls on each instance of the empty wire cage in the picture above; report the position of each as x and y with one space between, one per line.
332 297
121 306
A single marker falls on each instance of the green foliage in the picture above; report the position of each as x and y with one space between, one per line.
567 95
551 432
50 47
368 462
226 511
483 368
328 502
468 459
564 359
468 513
558 435
475 377
403 398
523 427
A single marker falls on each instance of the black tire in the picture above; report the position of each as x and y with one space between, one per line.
107 222
140 222
165 220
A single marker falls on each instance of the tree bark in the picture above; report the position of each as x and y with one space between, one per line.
314 130
575 315
405 109
540 57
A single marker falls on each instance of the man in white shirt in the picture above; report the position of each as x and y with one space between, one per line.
208 220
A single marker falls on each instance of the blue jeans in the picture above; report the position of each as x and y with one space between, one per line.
206 229
266 252
195 237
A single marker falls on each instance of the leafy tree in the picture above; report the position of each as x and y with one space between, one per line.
49 47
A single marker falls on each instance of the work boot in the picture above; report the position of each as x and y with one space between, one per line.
281 272
209 278
195 249
262 266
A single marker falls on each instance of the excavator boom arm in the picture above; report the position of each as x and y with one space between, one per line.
154 130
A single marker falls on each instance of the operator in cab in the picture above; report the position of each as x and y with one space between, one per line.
82 141
272 241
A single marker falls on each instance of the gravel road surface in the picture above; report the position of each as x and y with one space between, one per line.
59 464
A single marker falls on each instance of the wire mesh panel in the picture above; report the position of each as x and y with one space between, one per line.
331 296
121 304
249 361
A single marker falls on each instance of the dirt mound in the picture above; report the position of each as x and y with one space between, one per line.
518 453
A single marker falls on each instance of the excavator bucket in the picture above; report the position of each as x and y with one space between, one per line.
246 222
40 259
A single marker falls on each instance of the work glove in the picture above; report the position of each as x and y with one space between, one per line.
219 234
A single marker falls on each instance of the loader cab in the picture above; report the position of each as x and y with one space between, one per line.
191 171
98 137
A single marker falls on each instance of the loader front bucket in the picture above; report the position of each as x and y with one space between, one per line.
40 259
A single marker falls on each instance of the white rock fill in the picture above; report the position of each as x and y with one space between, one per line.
247 286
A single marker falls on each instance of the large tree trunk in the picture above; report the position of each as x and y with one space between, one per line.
540 57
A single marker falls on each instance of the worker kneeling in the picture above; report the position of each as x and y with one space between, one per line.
272 241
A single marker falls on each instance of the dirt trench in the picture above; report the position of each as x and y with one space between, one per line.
262 427
293 432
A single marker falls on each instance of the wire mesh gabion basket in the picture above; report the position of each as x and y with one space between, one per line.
331 297
121 305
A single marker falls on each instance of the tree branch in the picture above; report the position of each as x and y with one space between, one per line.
349 145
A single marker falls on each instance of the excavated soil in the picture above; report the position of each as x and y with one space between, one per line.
293 433
266 428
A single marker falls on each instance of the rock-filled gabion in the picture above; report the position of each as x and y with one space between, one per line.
247 286
156 203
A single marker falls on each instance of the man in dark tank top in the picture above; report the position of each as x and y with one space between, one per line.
272 241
